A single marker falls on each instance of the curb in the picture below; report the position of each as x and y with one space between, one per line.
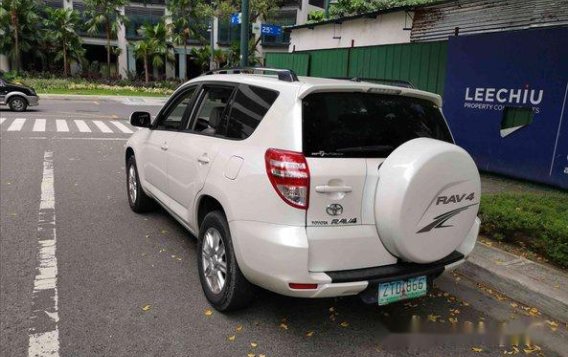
523 280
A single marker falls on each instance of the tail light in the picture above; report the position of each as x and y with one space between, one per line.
288 172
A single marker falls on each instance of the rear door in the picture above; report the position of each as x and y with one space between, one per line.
192 153
337 178
346 135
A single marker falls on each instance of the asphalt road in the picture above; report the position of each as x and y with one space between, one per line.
127 284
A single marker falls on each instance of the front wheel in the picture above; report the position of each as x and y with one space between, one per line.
137 199
222 281
18 104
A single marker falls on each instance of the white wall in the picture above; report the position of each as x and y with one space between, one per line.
385 29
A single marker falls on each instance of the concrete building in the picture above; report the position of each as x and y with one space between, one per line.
224 35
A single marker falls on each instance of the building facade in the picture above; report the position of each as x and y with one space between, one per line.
219 33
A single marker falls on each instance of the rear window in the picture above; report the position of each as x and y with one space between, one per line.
363 125
248 109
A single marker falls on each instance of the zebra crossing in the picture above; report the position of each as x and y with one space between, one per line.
66 126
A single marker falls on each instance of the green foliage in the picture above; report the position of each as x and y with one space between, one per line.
102 15
537 221
316 16
61 26
50 84
19 29
342 8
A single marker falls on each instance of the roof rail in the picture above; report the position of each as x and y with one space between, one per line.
283 74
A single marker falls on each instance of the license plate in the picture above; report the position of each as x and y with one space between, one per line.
398 290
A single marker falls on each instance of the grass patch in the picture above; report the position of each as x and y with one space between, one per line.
120 92
86 87
535 221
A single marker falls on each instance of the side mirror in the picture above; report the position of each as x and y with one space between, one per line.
141 119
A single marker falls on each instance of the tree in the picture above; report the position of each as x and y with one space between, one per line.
18 28
201 57
153 46
181 13
259 9
105 15
61 26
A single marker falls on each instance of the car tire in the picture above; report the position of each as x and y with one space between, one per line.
18 104
137 199
215 245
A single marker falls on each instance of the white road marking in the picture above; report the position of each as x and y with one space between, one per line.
83 127
102 126
122 127
17 124
44 332
2 120
61 125
39 125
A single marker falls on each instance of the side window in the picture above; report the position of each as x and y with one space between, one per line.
209 117
248 109
173 118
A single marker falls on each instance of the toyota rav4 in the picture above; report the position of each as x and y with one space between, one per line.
307 187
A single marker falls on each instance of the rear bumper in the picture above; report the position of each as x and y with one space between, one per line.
273 256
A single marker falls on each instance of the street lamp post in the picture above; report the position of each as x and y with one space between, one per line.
244 33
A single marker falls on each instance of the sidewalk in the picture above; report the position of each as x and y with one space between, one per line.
523 280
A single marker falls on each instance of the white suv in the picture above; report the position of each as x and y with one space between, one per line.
307 187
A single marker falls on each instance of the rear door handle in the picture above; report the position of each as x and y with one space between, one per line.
328 189
203 159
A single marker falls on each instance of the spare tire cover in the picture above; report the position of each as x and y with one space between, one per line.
427 199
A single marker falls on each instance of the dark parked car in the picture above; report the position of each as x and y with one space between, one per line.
17 97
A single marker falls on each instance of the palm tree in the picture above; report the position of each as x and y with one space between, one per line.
153 45
142 49
181 12
201 57
105 14
61 25
18 28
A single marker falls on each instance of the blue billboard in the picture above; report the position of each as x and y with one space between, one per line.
505 101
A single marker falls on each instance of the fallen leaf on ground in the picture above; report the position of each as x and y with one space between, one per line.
433 318
283 326
146 307
344 324
253 344
453 320
552 324
163 231
310 333
147 236
250 354
531 349
231 338
262 355
239 328
208 312
477 349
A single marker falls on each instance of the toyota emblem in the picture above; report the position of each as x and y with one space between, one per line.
334 209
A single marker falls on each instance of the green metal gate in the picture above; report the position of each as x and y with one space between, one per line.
422 64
